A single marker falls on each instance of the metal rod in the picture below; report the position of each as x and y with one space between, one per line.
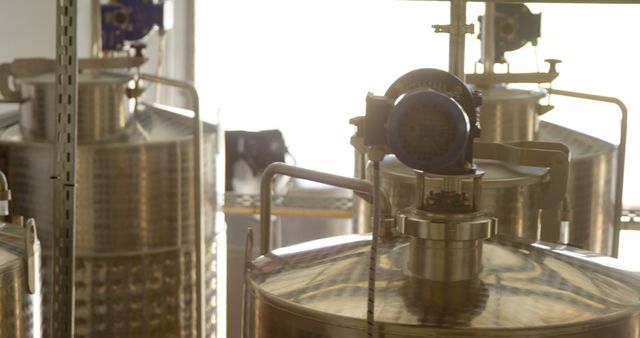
277 168
248 254
373 256
456 37
622 148
64 232
200 235
96 28
488 37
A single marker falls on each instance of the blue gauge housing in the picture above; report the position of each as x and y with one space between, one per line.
428 131
428 118
131 20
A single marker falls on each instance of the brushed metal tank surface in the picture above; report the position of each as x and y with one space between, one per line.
527 289
20 315
510 193
102 106
590 190
135 264
509 114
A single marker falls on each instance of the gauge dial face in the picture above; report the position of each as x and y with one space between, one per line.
447 148
427 130
434 79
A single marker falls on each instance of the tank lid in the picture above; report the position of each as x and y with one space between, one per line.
547 288
508 94
87 77
498 174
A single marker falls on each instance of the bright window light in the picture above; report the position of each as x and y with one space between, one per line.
304 67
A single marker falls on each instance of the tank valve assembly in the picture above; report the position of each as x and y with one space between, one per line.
428 120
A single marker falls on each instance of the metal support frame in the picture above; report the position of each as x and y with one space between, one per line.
200 235
96 29
62 305
488 37
373 255
457 36
622 148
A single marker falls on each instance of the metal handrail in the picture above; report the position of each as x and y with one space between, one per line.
200 245
278 168
622 148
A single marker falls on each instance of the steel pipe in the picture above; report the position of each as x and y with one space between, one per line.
488 37
456 37
358 185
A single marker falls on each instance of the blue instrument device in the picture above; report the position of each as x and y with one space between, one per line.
428 118
131 20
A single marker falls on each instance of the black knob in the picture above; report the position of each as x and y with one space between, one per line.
138 47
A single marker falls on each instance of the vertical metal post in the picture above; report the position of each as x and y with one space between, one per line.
373 256
488 37
457 33
96 29
65 166
200 233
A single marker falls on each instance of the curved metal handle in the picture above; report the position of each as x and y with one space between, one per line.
555 156
622 148
200 235
33 256
361 186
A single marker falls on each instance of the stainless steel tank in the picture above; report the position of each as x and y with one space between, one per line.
102 106
135 263
20 315
436 268
509 114
509 192
20 294
526 289
590 190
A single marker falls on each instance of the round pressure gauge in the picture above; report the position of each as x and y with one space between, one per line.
427 130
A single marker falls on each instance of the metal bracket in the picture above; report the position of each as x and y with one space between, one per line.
468 29
555 156
488 79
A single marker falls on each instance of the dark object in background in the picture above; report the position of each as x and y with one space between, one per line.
131 20
257 149
515 27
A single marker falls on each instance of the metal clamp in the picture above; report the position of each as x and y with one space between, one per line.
555 156
468 28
